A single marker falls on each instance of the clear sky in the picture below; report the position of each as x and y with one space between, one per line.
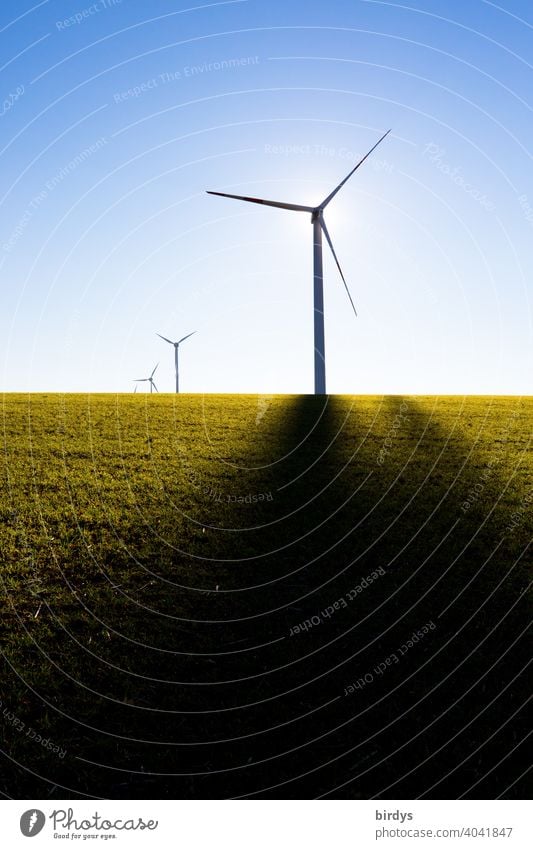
117 116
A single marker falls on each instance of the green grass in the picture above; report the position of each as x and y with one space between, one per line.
157 551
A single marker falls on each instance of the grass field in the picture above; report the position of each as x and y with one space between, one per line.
216 596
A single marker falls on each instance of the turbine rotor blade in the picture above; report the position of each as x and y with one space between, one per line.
165 338
330 243
334 192
153 372
186 337
279 204
155 387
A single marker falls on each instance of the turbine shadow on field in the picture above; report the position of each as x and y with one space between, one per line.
333 636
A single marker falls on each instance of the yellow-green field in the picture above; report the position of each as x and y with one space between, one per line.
182 613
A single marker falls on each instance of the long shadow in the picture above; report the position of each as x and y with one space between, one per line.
354 632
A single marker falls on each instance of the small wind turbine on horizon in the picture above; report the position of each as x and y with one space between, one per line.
176 346
149 380
319 227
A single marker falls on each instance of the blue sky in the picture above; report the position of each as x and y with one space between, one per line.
117 116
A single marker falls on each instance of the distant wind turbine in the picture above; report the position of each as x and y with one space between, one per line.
176 346
149 380
319 227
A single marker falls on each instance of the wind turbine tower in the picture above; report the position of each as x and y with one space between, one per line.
149 380
176 346
319 227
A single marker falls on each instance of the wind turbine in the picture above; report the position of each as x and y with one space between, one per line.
176 346
149 380
319 227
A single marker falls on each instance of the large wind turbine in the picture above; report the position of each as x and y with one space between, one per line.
149 380
319 227
176 346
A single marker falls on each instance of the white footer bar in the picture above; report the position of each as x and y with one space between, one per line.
268 824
